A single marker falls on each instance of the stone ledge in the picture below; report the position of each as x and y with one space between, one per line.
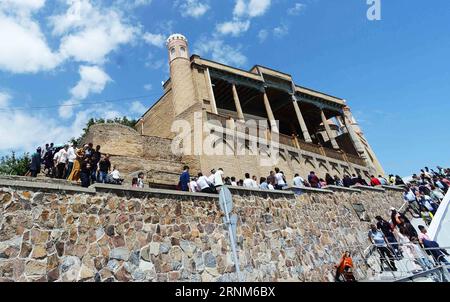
25 184
257 192
393 188
302 190
45 187
124 191
367 188
39 179
343 189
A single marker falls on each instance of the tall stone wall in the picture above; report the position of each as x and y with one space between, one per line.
158 120
111 234
131 152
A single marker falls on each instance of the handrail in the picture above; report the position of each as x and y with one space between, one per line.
406 267
440 269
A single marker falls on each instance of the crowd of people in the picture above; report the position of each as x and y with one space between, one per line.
425 192
397 238
276 180
86 164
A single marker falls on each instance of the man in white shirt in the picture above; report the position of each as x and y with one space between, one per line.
140 183
248 182
71 156
279 177
298 181
204 184
61 159
212 177
255 182
233 182
115 175
193 187
218 178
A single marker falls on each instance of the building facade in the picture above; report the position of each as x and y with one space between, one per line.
315 131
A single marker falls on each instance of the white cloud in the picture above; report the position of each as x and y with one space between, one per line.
21 7
24 48
192 8
148 87
251 8
157 40
221 52
281 31
24 131
111 114
92 80
4 99
142 2
89 33
244 11
130 4
138 108
296 9
234 28
263 35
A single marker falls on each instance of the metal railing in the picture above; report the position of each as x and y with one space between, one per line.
414 263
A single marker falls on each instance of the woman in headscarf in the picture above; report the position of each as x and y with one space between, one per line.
75 174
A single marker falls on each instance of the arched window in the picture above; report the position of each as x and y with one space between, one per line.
182 51
172 51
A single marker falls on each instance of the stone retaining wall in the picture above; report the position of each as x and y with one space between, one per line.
152 235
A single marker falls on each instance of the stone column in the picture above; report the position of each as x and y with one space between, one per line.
237 102
328 130
354 137
302 123
273 123
211 92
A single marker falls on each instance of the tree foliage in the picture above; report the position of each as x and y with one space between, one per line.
118 120
13 165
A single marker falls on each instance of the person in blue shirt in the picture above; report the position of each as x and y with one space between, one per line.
185 178
377 238
263 184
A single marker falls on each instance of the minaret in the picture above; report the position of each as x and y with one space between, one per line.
180 73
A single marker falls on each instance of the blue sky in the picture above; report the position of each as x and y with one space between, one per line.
394 73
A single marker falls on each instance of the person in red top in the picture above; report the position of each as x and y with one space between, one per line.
374 182
345 269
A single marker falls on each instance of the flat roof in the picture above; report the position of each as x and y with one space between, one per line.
209 63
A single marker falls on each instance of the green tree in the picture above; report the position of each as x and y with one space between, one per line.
118 120
13 165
